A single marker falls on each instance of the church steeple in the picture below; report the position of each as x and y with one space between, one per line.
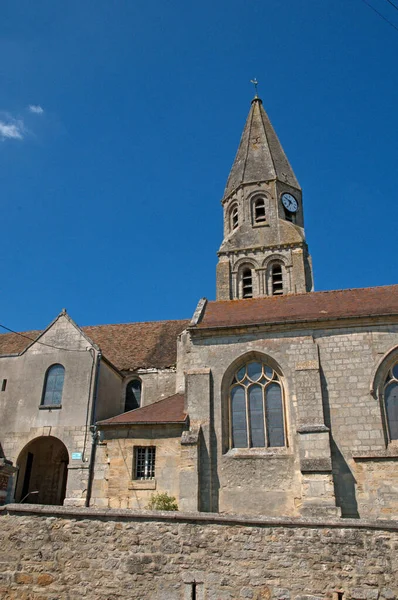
260 156
264 250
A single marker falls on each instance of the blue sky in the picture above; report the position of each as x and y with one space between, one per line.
111 181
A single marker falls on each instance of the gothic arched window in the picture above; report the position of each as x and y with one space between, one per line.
390 396
259 211
53 386
233 218
247 283
256 408
133 395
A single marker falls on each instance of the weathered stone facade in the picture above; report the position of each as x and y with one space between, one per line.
111 555
313 432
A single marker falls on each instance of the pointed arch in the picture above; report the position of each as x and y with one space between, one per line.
384 388
253 405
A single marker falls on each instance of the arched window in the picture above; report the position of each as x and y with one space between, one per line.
390 396
234 218
133 395
276 279
259 211
247 283
53 386
256 408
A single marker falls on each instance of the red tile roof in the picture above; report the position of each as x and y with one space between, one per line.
168 410
128 346
138 345
312 306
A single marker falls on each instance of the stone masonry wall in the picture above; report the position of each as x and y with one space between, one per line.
65 554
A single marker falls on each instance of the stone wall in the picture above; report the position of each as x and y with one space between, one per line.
334 420
114 483
65 554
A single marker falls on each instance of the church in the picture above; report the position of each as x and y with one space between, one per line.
273 400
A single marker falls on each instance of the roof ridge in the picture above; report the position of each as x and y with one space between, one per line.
137 323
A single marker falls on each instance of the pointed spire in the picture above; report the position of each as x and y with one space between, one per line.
260 156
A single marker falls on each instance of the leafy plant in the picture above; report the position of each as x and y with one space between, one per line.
162 501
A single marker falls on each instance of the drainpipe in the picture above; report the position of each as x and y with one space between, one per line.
94 433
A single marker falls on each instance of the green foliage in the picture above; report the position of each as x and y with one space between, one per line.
162 502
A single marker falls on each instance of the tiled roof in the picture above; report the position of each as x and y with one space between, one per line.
138 345
168 410
128 346
11 343
312 306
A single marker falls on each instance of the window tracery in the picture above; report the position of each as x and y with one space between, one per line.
256 407
390 398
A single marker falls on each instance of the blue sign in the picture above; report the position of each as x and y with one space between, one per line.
76 455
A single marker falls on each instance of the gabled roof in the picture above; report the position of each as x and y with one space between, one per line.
260 156
128 346
310 306
168 410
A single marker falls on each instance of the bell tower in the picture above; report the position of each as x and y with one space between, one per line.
264 252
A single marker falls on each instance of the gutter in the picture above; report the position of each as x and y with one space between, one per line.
94 432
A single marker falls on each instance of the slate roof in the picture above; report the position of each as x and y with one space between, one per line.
260 156
168 410
128 346
311 306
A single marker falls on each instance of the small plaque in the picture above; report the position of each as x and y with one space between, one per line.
76 455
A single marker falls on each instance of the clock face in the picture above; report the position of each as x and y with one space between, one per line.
289 202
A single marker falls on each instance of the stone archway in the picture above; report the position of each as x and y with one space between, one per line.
43 471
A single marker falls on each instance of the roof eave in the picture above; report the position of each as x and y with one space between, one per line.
195 329
100 424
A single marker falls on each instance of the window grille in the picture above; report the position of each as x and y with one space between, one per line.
277 280
53 385
256 408
145 462
247 284
259 211
234 218
133 395
391 402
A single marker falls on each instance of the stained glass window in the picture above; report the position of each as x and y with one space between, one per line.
256 407
391 402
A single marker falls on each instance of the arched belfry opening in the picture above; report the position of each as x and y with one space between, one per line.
43 472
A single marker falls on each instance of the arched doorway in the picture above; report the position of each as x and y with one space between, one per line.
43 470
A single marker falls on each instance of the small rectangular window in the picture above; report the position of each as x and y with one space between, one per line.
144 460
4 385
194 591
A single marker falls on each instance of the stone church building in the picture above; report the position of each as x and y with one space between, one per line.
273 400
